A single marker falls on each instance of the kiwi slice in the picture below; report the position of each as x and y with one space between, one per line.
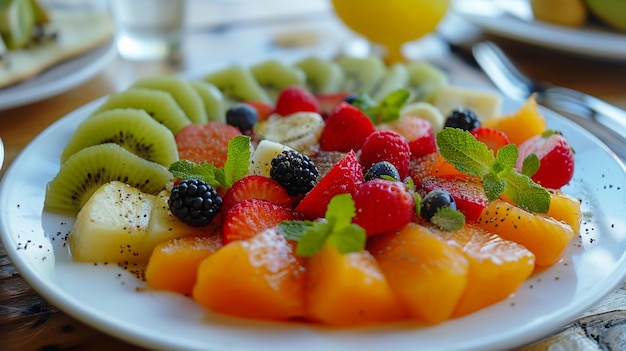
274 76
184 94
425 79
238 84
322 76
213 99
17 22
395 78
363 74
86 170
158 104
132 129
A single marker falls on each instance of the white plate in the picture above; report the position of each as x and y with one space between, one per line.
58 78
111 299
511 19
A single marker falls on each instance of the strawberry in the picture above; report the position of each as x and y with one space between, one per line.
328 101
493 138
382 206
469 195
344 177
256 187
346 129
387 145
252 216
263 109
417 131
294 99
205 142
556 158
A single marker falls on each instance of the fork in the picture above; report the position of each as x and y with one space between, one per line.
605 121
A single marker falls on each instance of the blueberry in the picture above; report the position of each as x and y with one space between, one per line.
242 116
350 98
462 118
382 168
435 200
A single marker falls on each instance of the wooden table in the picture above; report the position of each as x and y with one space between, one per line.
28 322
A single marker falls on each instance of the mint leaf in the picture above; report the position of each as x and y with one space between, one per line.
462 150
527 194
337 229
448 219
235 168
385 111
497 173
237 161
530 165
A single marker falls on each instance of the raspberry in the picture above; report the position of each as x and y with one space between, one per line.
387 145
382 206
346 129
463 118
295 99
294 171
194 202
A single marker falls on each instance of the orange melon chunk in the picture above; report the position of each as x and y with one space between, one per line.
497 267
565 208
173 264
426 273
257 278
522 124
546 237
348 289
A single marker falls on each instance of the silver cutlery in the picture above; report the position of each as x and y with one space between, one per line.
605 121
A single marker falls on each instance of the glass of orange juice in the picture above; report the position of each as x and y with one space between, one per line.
391 23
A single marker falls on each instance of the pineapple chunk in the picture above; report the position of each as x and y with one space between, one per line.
112 225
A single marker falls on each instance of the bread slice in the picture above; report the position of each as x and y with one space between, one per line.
77 32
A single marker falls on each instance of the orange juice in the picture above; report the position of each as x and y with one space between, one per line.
391 23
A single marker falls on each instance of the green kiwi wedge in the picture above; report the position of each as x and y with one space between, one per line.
17 23
424 80
238 84
322 76
158 104
362 74
274 76
184 94
86 170
213 99
132 129
396 77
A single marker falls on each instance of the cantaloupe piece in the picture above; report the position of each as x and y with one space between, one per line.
546 237
497 267
427 274
173 265
565 208
348 289
257 278
522 124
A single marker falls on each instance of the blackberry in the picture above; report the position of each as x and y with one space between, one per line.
194 202
242 116
382 168
462 118
294 171
435 200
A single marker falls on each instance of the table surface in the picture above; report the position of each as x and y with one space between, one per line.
219 32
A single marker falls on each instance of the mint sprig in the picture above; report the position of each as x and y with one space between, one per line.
448 219
337 229
497 173
385 111
235 168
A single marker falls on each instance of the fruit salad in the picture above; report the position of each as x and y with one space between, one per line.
339 192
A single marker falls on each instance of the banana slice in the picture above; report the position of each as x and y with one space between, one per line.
299 131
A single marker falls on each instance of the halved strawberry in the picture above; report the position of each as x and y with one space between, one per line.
346 129
294 99
327 102
382 206
252 216
556 158
205 142
344 177
256 187
263 109
417 131
493 138
469 195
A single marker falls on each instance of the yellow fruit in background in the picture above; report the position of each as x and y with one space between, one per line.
572 13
